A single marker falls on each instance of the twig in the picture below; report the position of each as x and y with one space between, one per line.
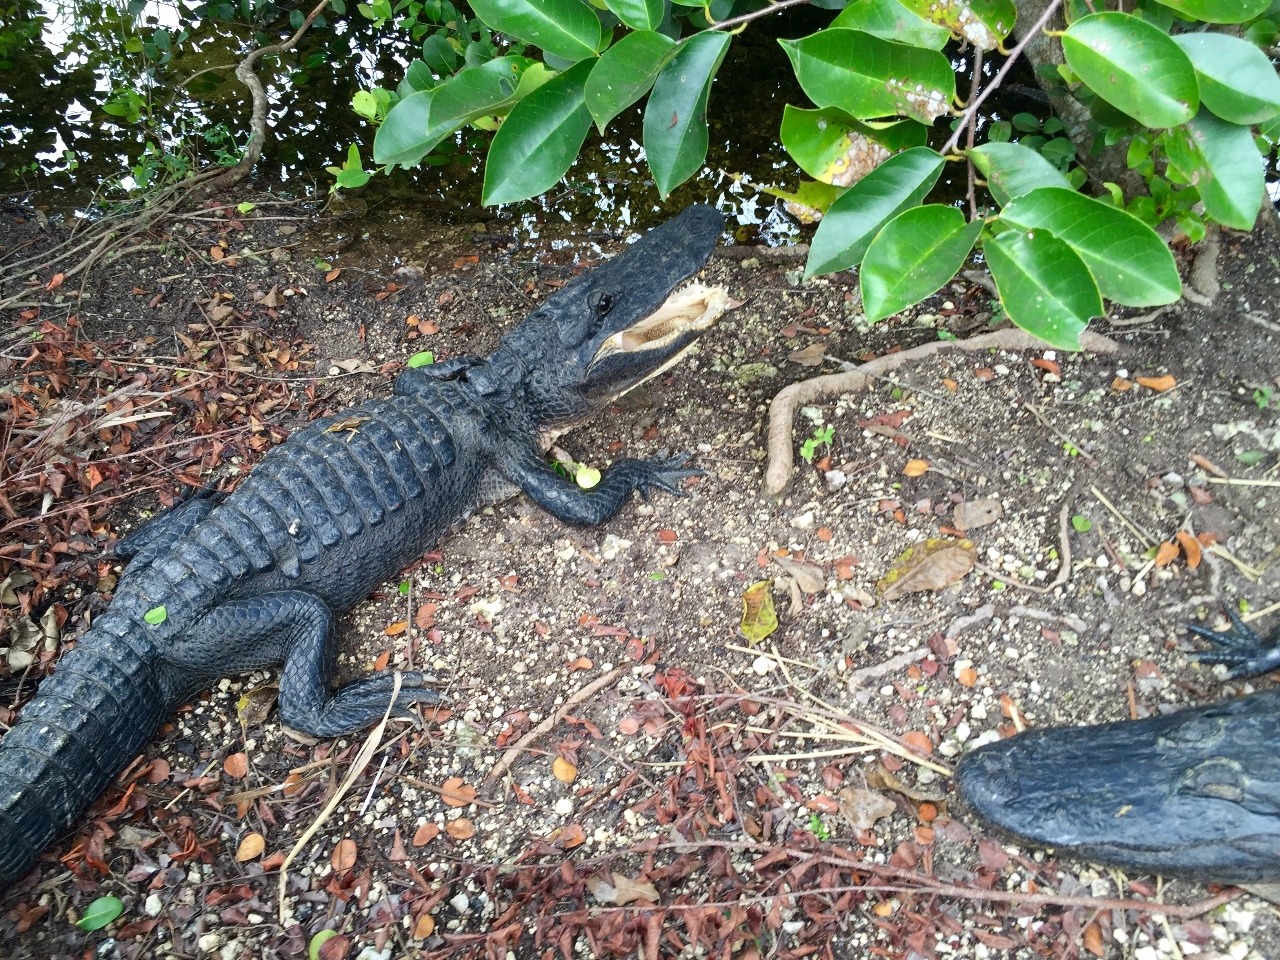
357 767
756 14
258 122
976 103
512 754
782 410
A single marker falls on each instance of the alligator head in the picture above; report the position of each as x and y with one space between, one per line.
611 328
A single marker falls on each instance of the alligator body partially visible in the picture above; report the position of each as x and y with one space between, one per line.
1195 793
217 588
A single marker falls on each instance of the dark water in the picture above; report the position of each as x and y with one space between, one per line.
182 105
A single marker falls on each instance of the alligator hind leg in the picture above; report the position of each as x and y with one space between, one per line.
157 534
298 629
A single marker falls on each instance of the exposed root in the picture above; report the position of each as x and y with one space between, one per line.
258 118
782 411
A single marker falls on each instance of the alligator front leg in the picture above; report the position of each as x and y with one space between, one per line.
299 629
566 501
1240 649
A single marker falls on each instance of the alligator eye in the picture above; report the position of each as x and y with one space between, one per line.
604 303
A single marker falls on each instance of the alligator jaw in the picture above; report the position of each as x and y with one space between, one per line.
655 343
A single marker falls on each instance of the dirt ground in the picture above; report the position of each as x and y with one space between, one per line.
701 801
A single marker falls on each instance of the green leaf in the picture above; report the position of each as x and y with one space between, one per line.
1045 288
155 616
565 28
420 359
100 912
1012 170
318 941
1135 67
868 77
914 255
831 146
245 206
416 124
1130 262
540 139
984 23
890 20
675 118
1237 81
586 477
1080 523
1222 162
624 74
853 221
1218 11
637 14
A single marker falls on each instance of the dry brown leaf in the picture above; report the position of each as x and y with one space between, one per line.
1166 553
966 676
932 565
236 766
254 706
456 793
563 770
271 299
810 356
1121 385
581 663
951 386
425 834
808 576
863 807
397 628
622 890
1092 940
569 836
460 829
333 275
916 468
251 847
1191 547
1158 384
344 855
918 741
424 927
976 513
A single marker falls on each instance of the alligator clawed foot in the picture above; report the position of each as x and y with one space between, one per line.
665 473
1239 649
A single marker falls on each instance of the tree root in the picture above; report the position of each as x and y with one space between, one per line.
110 235
258 118
782 410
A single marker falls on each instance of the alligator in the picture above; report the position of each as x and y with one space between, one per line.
1194 793
256 579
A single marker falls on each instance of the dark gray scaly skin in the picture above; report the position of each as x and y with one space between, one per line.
1194 793
257 579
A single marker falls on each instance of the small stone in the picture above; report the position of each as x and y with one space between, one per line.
803 522
460 903
564 807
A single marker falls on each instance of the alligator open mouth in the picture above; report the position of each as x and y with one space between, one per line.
653 344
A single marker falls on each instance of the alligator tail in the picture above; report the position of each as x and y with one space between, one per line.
104 701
